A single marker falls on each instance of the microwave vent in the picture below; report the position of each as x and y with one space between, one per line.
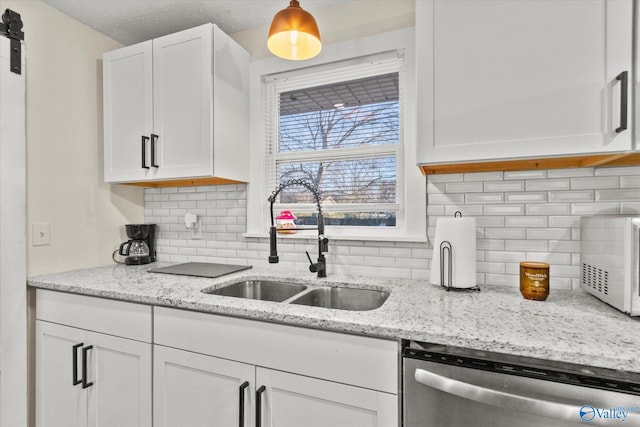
595 278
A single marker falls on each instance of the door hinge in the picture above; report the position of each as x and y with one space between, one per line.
11 27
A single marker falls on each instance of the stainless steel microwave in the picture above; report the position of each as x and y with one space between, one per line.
610 258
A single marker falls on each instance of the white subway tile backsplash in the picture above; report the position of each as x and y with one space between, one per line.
549 209
452 177
522 215
594 182
630 181
496 256
526 221
549 233
484 198
530 174
463 187
466 210
548 184
526 245
490 267
621 195
445 199
490 245
484 176
619 171
515 209
490 221
571 196
493 186
630 208
505 233
595 208
528 197
564 221
569 173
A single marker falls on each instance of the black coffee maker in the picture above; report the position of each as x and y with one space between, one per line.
140 248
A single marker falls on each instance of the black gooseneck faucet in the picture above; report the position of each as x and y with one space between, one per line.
319 267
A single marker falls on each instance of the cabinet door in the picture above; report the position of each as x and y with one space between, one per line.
183 105
128 113
59 402
120 370
510 79
192 390
294 400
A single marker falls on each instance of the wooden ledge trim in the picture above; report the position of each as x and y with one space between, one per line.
185 182
599 160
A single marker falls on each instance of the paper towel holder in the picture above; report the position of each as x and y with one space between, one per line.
446 248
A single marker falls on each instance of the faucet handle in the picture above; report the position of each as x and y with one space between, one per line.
313 267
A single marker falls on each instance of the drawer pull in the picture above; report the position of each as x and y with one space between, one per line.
85 350
623 77
74 374
241 390
259 405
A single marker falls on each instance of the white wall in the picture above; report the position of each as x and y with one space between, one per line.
64 144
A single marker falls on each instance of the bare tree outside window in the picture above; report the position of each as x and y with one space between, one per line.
344 128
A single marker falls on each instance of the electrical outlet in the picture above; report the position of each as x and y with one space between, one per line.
40 234
196 232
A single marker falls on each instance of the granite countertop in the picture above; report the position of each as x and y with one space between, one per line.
570 326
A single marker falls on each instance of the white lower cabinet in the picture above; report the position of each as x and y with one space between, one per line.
192 390
275 375
88 378
290 400
99 365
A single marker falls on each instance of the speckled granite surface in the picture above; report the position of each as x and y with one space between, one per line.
571 326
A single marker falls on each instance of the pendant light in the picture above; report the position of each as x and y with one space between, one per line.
294 34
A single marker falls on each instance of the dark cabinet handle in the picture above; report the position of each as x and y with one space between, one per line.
243 386
154 140
74 375
85 350
624 82
144 152
259 405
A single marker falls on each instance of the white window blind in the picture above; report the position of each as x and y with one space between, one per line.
339 128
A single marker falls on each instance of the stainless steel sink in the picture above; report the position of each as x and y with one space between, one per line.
267 290
353 299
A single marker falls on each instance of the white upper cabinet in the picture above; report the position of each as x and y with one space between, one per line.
128 112
527 78
177 107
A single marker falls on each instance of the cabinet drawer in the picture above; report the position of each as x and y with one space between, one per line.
350 359
123 319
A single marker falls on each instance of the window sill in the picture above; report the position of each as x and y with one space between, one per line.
314 236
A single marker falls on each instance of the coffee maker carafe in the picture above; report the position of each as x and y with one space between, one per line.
140 248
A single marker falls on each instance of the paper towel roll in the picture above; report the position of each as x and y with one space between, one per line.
461 233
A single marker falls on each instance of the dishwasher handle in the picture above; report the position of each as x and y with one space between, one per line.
488 396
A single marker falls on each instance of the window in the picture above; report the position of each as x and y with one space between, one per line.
344 137
346 122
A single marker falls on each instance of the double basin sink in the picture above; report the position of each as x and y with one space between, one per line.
340 298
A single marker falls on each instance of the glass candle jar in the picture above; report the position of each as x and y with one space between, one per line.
534 280
285 222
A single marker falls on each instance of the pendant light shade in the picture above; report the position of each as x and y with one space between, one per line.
294 34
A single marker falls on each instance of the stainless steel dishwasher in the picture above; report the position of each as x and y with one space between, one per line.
454 387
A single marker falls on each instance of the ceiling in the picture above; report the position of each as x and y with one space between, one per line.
133 21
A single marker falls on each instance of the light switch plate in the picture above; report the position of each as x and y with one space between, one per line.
40 234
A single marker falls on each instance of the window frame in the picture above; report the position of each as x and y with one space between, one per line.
348 56
370 66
